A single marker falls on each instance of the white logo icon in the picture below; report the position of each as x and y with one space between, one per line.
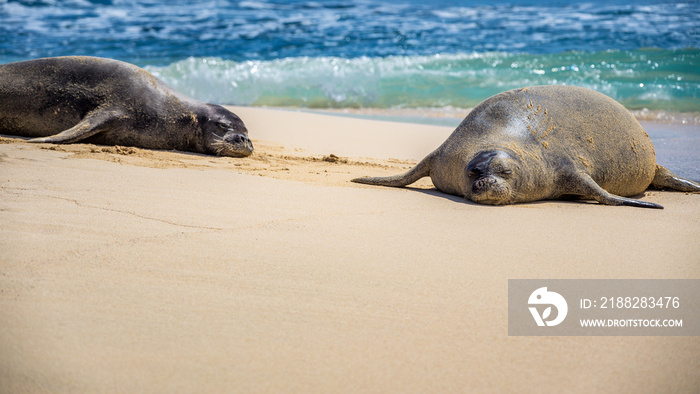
543 297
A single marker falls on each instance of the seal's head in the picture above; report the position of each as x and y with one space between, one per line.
493 178
225 134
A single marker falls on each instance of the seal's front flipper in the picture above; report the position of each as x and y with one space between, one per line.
421 170
95 122
584 185
666 179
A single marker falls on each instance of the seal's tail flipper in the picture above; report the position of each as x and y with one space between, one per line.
666 179
94 122
421 170
585 186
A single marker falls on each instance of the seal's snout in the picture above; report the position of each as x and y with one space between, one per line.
232 144
482 184
490 189
238 139
238 145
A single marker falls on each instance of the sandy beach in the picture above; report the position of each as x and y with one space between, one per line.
132 270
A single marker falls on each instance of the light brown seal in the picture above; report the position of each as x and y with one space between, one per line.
545 142
109 102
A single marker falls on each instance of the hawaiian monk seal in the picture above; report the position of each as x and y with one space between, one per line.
545 142
105 101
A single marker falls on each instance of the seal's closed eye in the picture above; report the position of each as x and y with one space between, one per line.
224 125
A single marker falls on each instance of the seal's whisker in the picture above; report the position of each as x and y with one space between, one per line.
515 196
220 145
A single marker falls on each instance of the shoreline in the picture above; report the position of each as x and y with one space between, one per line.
452 116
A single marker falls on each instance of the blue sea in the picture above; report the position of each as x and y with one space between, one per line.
380 54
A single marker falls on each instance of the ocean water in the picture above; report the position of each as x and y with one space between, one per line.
380 53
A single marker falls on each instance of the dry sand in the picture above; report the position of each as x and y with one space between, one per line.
129 270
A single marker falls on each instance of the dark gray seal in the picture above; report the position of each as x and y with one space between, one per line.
545 142
108 102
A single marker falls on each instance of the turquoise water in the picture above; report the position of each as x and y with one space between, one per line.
649 78
378 54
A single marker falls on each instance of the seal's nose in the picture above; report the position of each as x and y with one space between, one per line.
239 144
238 139
482 183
